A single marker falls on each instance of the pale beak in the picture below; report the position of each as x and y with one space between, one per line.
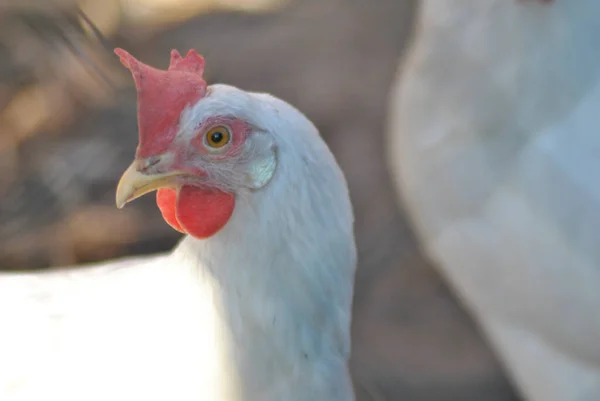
134 183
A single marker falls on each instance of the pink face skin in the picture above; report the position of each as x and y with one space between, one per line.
197 207
239 130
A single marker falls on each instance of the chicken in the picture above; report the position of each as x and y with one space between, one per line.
495 153
253 304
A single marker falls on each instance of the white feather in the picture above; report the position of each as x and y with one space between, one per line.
258 312
495 150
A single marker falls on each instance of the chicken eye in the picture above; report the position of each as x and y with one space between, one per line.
217 137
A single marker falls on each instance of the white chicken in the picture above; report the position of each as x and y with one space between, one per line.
254 304
495 150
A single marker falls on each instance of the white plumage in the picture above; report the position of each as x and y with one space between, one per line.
495 150
260 311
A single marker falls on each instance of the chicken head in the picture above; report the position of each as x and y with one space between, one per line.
195 146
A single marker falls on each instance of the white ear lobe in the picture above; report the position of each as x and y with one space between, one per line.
261 167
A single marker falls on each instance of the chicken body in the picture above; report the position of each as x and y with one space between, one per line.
495 151
259 311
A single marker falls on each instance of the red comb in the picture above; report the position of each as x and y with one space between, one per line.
162 96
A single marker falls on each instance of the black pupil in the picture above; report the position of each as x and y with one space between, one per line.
217 137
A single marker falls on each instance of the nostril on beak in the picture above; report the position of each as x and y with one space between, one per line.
145 164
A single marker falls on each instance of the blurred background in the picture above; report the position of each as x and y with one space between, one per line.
68 129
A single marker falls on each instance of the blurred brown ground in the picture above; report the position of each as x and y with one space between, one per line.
68 129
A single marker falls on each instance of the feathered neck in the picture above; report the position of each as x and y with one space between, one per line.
280 275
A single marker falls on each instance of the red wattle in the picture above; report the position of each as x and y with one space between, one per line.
202 212
199 212
166 199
